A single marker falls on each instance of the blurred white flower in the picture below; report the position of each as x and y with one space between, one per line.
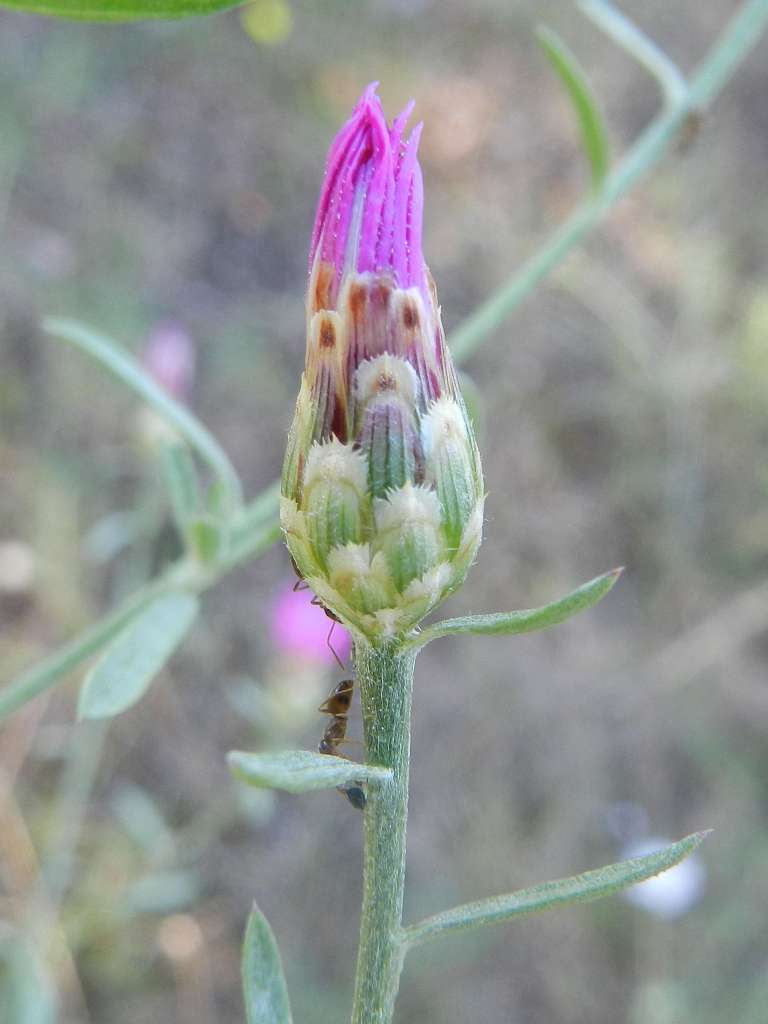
672 893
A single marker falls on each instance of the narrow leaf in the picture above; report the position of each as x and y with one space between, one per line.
526 621
120 10
46 673
254 530
130 663
264 989
207 539
574 78
183 484
592 885
301 771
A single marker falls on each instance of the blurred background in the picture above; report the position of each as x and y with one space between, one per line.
157 181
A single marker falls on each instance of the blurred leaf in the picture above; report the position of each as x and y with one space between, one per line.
164 892
182 482
575 80
202 534
264 989
26 990
525 621
592 885
127 369
301 771
206 538
132 660
112 534
216 500
120 10
268 22
254 529
141 817
50 670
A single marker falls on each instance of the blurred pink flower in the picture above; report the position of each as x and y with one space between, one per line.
169 357
301 628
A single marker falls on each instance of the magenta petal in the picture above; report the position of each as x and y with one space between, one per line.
369 215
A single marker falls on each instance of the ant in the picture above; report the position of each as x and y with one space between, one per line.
301 584
337 705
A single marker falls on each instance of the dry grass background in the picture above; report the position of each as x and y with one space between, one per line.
168 172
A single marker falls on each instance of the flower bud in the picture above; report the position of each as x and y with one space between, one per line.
382 489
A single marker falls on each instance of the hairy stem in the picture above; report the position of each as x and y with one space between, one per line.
385 677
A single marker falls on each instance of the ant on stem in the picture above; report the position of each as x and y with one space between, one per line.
337 705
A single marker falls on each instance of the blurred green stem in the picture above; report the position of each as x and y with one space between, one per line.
74 792
385 677
127 369
738 38
644 50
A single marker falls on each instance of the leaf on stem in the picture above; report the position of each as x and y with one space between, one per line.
131 661
120 10
592 885
254 529
264 989
574 78
301 771
526 621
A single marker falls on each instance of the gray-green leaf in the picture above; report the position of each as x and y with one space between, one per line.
591 885
301 771
526 621
132 660
264 989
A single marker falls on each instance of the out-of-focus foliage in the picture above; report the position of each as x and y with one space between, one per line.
120 10
167 172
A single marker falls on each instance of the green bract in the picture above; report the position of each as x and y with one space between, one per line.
382 486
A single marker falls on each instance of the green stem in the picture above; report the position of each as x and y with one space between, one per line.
385 677
75 788
644 50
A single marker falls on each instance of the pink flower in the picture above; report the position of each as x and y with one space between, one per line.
382 490
300 628
370 210
169 357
